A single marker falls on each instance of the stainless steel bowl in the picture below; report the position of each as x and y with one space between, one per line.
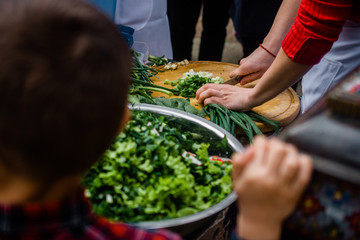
188 226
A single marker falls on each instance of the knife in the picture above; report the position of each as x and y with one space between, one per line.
234 80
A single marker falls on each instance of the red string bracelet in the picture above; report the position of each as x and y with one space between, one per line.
267 50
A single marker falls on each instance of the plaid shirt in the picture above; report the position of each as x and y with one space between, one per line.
69 219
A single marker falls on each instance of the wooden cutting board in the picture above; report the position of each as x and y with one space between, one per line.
284 107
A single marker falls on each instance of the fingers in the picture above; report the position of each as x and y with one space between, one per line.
213 90
260 144
243 60
241 72
275 156
290 166
221 101
240 160
204 88
204 92
238 71
247 67
209 93
281 160
304 174
251 77
294 169
234 73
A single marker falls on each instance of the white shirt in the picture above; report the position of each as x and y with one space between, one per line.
150 21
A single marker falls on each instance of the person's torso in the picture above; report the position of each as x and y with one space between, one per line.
139 13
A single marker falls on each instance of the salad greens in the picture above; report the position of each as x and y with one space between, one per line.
147 175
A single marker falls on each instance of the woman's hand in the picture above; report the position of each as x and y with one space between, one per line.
254 66
269 179
231 97
281 75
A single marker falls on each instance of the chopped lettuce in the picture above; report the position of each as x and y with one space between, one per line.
143 176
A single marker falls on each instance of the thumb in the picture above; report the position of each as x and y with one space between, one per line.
240 160
236 72
246 72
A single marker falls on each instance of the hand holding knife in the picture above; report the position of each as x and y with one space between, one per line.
234 80
237 79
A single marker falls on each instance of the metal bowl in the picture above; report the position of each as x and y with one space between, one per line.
188 226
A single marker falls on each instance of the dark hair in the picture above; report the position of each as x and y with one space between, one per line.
63 86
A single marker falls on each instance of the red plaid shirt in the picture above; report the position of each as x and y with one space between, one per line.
69 219
316 27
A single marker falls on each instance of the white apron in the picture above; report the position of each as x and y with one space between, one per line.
150 21
343 57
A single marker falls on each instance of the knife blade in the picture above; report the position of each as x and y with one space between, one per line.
234 80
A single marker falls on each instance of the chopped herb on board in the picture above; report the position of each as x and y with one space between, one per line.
192 81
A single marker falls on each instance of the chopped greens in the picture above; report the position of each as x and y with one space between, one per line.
192 81
141 84
157 61
143 176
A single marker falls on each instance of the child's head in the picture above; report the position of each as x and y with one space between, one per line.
63 86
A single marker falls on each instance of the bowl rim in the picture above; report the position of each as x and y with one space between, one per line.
233 143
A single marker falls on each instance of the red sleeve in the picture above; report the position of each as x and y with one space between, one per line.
317 26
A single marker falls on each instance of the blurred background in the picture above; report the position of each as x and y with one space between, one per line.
233 50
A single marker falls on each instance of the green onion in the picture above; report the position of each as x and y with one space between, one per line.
228 120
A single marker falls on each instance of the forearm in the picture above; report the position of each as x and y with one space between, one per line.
282 24
316 27
250 229
282 74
